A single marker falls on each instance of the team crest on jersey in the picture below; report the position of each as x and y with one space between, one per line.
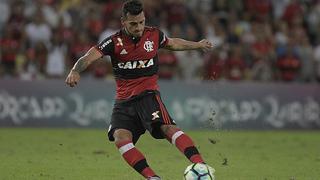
148 46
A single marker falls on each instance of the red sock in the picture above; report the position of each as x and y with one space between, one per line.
184 143
135 158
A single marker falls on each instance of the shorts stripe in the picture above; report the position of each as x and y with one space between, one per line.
163 112
166 113
175 136
125 148
160 104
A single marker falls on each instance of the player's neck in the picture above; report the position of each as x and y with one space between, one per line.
133 38
128 33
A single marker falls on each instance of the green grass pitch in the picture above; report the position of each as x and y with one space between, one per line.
86 154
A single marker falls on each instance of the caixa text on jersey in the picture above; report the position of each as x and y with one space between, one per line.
136 64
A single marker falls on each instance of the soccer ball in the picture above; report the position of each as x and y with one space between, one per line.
199 171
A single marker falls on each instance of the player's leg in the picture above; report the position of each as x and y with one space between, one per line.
158 122
123 139
183 142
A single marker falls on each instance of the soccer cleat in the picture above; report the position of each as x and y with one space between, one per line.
154 178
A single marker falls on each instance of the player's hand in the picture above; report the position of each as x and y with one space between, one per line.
205 45
73 78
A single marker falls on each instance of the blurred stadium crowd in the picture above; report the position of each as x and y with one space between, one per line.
255 40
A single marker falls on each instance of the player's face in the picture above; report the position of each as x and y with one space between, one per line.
134 24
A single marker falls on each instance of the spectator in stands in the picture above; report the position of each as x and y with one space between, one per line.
316 55
214 66
264 44
35 64
293 10
214 31
235 67
281 33
65 30
38 31
17 19
190 63
9 45
288 66
111 28
304 50
177 12
5 12
262 70
56 62
260 9
168 65
79 46
94 25
278 8
313 21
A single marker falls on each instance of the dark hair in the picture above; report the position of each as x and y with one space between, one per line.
134 7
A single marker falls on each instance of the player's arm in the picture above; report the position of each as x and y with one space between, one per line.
83 62
178 44
105 47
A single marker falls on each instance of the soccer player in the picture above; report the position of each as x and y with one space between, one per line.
138 107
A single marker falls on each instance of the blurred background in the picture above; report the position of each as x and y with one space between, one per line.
255 40
264 69
252 103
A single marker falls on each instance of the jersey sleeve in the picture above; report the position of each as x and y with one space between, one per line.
106 47
163 39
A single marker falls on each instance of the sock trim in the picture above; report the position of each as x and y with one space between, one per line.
175 136
190 151
141 165
125 148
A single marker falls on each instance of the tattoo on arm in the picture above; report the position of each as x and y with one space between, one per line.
84 61
80 65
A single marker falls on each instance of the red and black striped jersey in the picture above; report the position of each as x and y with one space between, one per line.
134 60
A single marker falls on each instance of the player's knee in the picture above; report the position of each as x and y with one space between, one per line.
121 135
169 130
